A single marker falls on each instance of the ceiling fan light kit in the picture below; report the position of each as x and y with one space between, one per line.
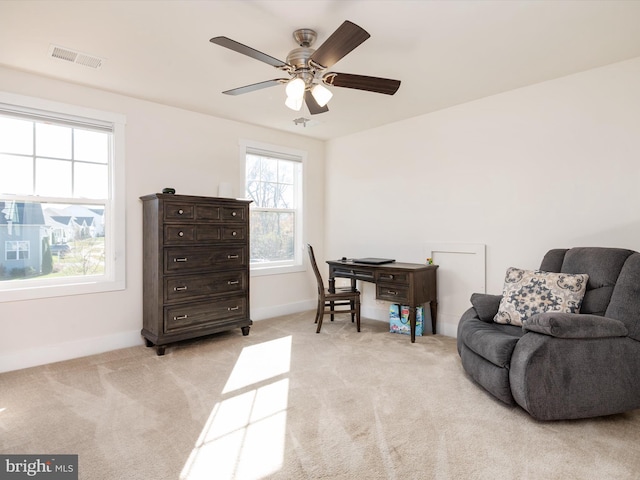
294 103
307 68
321 94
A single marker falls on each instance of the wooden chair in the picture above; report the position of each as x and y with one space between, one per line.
327 301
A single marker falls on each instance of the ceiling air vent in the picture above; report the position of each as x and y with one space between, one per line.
73 56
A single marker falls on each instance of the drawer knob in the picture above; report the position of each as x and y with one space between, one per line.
234 233
231 309
233 214
180 212
180 289
232 257
392 292
233 282
389 277
180 259
181 317
181 233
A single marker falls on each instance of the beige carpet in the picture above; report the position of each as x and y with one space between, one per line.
286 403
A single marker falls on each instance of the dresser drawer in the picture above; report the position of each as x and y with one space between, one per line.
192 287
208 213
234 214
190 316
179 211
185 234
186 259
392 293
234 233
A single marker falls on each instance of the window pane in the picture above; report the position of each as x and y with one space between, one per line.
16 175
53 141
53 178
43 240
285 196
285 172
272 236
253 168
90 146
90 181
17 136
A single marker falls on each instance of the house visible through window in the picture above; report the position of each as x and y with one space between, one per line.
59 224
273 181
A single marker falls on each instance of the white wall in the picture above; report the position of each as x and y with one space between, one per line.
554 165
164 147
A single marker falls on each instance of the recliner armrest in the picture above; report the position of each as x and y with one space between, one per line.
574 325
486 305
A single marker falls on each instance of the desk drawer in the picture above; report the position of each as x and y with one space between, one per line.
354 272
392 277
392 293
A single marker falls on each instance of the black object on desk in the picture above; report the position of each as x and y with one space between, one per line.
373 260
412 284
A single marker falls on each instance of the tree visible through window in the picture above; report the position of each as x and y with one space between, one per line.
273 183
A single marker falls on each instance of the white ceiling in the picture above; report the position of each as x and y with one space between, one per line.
444 52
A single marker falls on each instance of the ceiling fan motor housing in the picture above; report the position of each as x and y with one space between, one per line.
298 58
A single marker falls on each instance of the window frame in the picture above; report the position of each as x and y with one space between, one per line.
289 154
115 260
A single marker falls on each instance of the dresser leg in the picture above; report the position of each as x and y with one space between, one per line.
160 350
148 343
245 330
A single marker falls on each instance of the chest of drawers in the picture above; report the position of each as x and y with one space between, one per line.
195 267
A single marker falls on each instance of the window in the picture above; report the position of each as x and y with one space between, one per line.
17 250
61 199
273 181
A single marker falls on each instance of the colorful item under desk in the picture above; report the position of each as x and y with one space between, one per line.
399 319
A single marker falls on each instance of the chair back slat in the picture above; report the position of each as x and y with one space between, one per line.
312 260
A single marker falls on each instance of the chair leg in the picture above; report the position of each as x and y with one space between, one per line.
320 315
332 308
358 314
319 310
352 307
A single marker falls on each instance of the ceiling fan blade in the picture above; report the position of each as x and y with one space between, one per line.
347 37
256 86
248 51
362 82
312 105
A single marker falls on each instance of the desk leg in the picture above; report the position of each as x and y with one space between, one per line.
433 306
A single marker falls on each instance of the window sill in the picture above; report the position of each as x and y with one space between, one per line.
259 272
33 293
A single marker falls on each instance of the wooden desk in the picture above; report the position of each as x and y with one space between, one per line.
412 284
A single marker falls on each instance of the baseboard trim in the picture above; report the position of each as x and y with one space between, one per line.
59 352
258 314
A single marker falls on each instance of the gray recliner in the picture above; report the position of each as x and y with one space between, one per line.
564 365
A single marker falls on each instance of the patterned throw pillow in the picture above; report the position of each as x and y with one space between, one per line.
527 292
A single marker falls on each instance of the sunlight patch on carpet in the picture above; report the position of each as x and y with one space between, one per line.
245 433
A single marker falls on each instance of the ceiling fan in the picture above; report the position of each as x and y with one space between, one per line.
308 68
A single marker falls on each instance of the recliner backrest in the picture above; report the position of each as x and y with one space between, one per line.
603 265
625 300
